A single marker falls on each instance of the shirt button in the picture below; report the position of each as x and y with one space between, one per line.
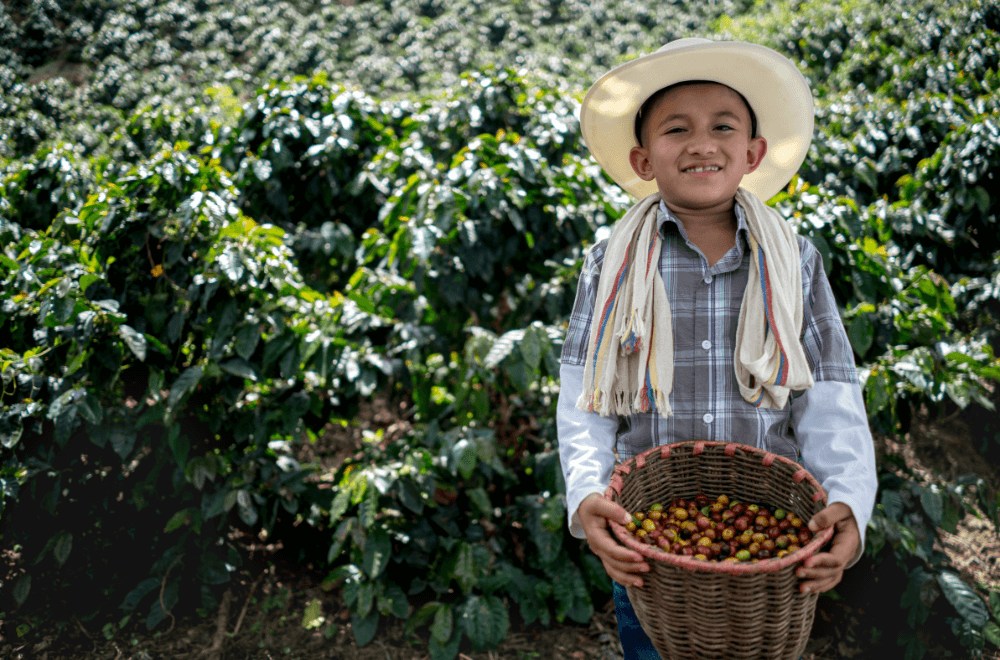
708 418
708 280
706 344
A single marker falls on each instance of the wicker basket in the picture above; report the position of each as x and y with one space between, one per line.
700 610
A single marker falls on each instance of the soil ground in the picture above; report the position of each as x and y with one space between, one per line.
263 618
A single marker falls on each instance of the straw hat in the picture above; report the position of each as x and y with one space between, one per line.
771 84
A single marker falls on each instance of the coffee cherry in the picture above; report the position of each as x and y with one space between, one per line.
773 532
796 522
760 521
680 514
780 514
804 536
654 515
758 537
703 523
767 544
754 548
743 555
640 515
648 525
656 507
631 526
781 541
753 509
723 500
728 533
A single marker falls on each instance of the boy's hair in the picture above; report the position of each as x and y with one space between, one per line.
650 103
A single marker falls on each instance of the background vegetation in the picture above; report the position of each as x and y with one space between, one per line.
245 220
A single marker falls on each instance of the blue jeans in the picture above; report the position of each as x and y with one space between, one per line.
636 644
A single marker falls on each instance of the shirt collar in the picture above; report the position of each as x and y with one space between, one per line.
742 231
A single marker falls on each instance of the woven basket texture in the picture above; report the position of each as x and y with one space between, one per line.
697 610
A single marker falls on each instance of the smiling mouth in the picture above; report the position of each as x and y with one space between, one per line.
695 170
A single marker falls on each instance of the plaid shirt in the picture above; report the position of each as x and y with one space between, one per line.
705 304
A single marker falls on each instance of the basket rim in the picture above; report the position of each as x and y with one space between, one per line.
771 565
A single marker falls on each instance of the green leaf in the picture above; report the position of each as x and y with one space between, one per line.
184 383
378 550
444 622
933 505
570 591
11 438
992 633
22 589
62 547
366 598
892 503
245 507
90 408
392 600
180 445
312 616
463 457
340 504
177 520
995 604
465 567
531 348
122 440
481 500
447 651
861 333
339 538
484 620
963 598
156 613
239 367
246 340
134 339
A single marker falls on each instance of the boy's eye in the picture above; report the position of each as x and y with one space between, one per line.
724 127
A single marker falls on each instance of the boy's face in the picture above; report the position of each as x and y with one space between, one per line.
698 147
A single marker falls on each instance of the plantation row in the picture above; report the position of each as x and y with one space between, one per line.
193 289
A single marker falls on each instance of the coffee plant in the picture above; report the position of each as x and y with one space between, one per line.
255 217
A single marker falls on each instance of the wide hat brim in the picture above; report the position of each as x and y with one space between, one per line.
773 86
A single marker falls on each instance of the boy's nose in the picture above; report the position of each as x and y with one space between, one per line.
701 144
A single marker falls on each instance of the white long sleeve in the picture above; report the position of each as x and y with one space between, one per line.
831 427
586 445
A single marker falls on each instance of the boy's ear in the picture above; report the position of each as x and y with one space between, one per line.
639 158
755 153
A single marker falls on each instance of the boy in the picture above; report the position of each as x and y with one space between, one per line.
704 316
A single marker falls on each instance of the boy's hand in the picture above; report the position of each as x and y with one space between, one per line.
824 570
619 562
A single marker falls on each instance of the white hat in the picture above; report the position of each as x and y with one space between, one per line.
773 86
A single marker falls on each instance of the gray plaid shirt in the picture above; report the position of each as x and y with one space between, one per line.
705 303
